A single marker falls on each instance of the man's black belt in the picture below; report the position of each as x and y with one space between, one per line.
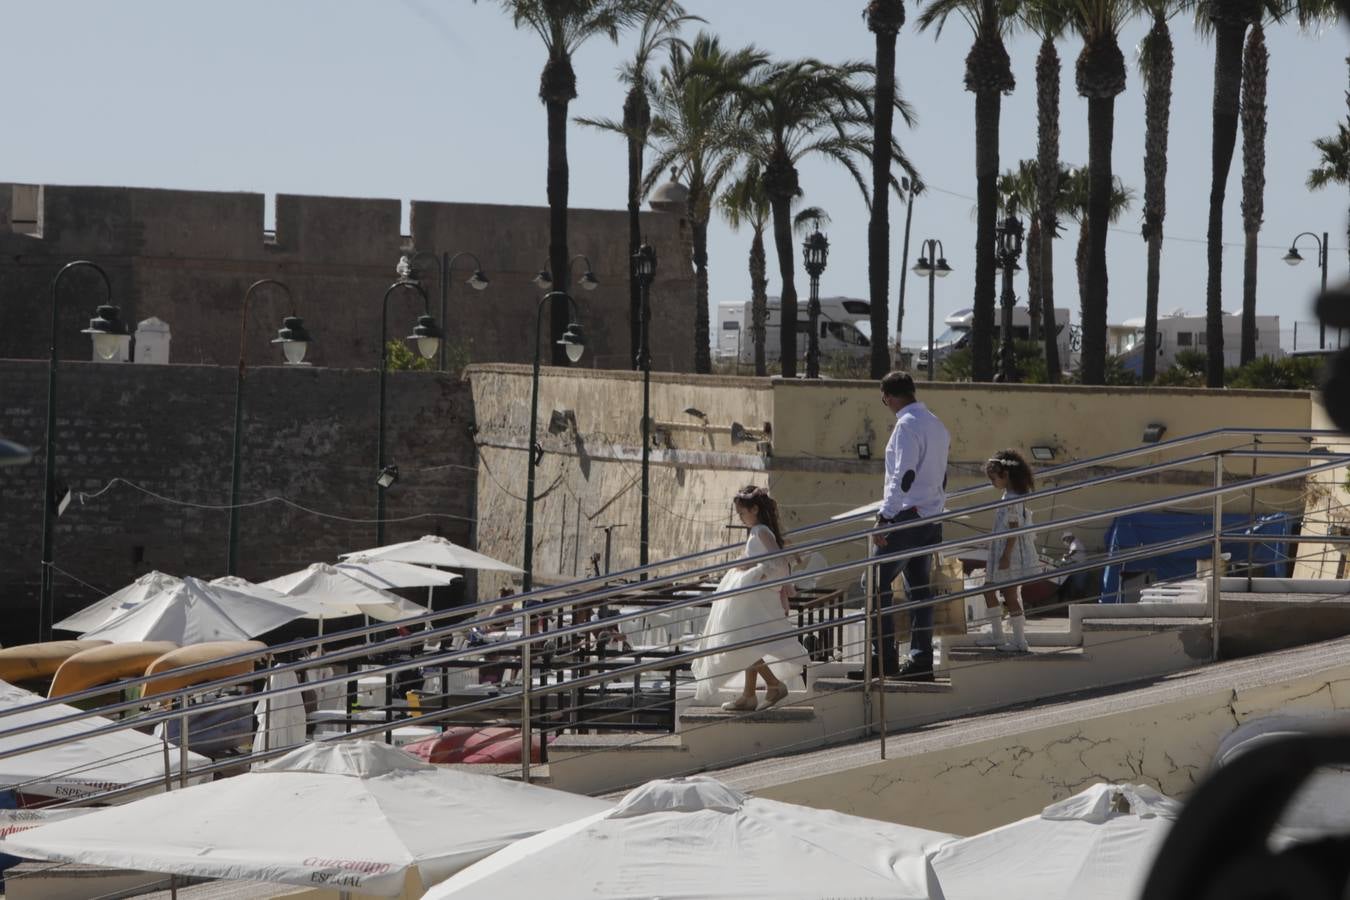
903 516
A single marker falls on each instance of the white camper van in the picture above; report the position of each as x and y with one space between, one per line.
1178 331
839 333
957 334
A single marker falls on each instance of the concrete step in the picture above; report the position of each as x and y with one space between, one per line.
1145 623
958 656
638 741
941 685
779 714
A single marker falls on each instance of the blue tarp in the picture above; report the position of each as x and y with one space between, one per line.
1142 529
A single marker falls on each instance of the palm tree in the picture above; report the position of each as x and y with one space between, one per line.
1100 76
744 202
1155 64
564 26
798 109
697 130
1255 66
660 29
1047 19
884 18
1334 152
1229 20
1078 204
988 76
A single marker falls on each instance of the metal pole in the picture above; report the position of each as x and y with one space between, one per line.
1007 355
871 638
384 363
183 743
932 276
904 273
527 579
1216 582
526 679
1322 325
646 363
813 339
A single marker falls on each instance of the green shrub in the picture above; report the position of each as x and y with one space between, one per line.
399 357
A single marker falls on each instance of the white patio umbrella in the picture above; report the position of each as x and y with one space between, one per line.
388 573
118 602
335 593
82 767
195 612
433 550
244 586
353 816
696 837
1097 844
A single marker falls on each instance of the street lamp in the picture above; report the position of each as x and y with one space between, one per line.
932 264
110 335
644 267
573 342
1293 257
294 341
815 251
544 279
445 266
1009 248
426 335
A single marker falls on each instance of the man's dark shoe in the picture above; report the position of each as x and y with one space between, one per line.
915 670
892 669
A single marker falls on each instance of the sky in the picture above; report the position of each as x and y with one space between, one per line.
437 100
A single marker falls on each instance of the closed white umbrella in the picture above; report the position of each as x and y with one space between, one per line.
1097 844
335 593
433 550
195 612
80 767
353 816
387 573
696 837
118 602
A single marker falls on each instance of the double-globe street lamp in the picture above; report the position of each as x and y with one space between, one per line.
445 266
1293 257
1009 249
573 343
815 252
588 281
932 264
426 336
644 267
294 341
110 336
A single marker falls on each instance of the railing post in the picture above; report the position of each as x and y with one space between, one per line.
1216 578
526 680
183 743
868 635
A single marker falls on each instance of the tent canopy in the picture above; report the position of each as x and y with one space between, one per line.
351 815
195 612
696 837
434 550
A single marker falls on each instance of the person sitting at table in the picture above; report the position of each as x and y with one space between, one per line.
759 615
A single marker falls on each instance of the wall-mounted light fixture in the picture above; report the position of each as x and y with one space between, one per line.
388 475
1043 453
864 450
696 413
1154 432
560 420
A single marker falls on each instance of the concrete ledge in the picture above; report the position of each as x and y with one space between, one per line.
1037 654
1146 623
628 741
889 685
776 714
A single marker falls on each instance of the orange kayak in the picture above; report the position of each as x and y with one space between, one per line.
35 662
104 665
195 654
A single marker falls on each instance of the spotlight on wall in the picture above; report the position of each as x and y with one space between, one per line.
388 475
738 433
696 413
1154 432
560 420
1043 453
864 450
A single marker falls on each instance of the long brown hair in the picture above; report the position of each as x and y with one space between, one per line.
752 496
1012 463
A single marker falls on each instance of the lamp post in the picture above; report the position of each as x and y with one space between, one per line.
110 335
815 251
1009 248
1293 257
932 264
294 341
545 282
573 343
445 266
644 267
426 334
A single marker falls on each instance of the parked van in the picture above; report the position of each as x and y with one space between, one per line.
958 326
1178 331
839 332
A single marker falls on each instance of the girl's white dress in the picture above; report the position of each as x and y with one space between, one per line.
755 615
1024 560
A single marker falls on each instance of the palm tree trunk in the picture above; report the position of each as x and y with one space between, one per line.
1033 249
759 298
634 243
1047 192
1080 258
1158 62
1227 96
787 305
558 258
878 225
702 357
988 105
1256 66
1101 125
1152 279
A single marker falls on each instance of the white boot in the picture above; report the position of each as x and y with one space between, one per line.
995 636
1018 644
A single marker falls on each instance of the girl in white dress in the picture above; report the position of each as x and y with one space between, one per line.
1010 558
760 615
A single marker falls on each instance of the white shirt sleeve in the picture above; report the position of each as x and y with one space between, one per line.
904 446
762 541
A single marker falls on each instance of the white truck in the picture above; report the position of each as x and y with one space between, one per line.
957 335
839 332
1178 331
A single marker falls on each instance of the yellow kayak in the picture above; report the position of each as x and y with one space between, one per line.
36 662
105 665
195 654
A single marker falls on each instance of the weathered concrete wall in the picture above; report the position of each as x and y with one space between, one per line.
188 257
309 437
974 787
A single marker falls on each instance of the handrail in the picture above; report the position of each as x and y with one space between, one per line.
1327 462
607 590
611 578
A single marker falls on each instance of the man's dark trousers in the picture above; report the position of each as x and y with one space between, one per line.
918 588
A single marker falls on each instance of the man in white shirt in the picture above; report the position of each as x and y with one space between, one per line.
915 489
